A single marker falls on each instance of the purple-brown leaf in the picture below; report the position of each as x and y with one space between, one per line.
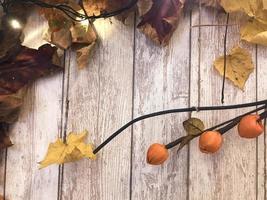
161 20
26 66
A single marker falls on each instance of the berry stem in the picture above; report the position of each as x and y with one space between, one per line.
179 110
230 124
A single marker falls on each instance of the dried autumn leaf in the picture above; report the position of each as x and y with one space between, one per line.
10 106
161 20
26 66
264 5
83 34
254 32
144 6
4 139
238 66
73 150
83 55
95 7
193 126
61 38
253 8
57 19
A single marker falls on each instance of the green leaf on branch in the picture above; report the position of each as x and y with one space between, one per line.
193 126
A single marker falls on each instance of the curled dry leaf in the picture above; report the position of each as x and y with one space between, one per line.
161 20
83 34
26 66
60 38
73 150
238 66
193 126
83 54
254 32
65 33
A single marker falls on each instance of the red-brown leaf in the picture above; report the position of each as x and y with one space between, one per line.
161 20
26 66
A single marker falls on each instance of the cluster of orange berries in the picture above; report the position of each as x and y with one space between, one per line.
250 126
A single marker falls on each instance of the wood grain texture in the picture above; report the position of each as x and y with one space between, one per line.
2 171
230 173
39 124
161 82
262 141
129 76
100 100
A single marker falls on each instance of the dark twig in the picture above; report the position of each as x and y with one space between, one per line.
225 50
191 109
230 124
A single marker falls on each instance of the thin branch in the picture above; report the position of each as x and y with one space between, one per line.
179 110
222 130
208 25
225 50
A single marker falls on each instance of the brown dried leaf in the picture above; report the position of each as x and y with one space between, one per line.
161 20
193 126
61 38
10 106
238 66
26 66
95 7
83 55
83 34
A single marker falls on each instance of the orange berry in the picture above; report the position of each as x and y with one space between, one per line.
157 154
210 141
250 126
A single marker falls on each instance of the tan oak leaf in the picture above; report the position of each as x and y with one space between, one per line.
238 66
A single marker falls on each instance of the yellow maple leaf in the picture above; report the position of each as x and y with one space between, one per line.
74 149
253 8
238 66
254 32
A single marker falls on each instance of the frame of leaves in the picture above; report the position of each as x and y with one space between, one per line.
182 141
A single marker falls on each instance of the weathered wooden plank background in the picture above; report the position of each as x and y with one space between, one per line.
129 76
